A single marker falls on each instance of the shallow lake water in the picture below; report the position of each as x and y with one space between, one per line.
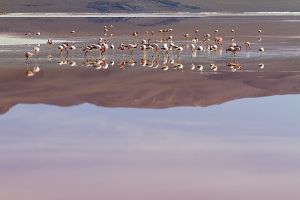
141 132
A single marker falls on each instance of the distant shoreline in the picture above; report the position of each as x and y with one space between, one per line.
145 15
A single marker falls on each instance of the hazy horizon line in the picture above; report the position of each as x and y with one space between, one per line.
144 14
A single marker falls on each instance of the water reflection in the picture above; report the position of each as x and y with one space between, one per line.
165 62
227 152
143 84
153 48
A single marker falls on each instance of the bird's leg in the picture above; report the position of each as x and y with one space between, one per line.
113 54
27 64
37 57
101 55
131 52
67 56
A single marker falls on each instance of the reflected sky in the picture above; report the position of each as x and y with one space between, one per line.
243 149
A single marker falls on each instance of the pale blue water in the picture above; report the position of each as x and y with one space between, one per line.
227 151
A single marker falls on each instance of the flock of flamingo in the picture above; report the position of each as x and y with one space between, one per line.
154 49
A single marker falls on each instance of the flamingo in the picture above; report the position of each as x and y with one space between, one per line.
213 67
36 69
170 38
234 49
248 45
200 67
121 48
135 35
180 66
259 33
179 50
218 38
165 66
196 33
155 49
165 50
186 35
98 65
72 63
104 48
261 65
193 66
234 65
105 65
193 49
65 46
112 63
131 48
213 48
261 50
60 48
112 47
36 51
143 62
28 56
233 36
206 40
72 48
49 41
200 48
86 50
29 73
131 63
156 64
144 49
195 40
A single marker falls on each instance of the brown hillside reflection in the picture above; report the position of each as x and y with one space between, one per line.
139 87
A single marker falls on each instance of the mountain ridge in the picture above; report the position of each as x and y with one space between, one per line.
148 5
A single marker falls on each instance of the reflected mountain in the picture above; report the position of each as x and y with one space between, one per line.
138 87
